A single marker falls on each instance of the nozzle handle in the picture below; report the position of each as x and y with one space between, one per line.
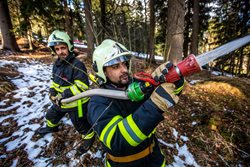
184 68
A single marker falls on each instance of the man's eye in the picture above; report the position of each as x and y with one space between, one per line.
114 66
124 63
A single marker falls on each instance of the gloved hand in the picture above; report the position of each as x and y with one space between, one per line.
164 97
179 85
52 92
52 98
162 70
58 100
52 95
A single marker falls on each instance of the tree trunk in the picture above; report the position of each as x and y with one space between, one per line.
9 41
175 30
80 19
195 28
89 27
68 25
248 67
232 64
145 28
25 23
103 19
129 38
151 38
243 32
29 36
187 30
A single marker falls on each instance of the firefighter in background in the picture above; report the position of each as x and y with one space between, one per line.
126 128
67 81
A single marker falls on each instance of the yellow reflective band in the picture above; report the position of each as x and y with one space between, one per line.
163 164
131 132
88 136
81 85
69 105
152 133
109 130
58 88
135 128
74 103
92 78
107 164
176 91
79 106
84 100
55 84
126 135
74 90
52 86
50 124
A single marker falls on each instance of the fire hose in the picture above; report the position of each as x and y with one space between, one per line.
116 94
190 65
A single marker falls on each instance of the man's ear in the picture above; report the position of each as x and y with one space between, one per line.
104 71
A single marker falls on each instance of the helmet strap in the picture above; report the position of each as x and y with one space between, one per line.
94 66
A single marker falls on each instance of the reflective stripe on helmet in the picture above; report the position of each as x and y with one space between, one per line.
117 60
56 43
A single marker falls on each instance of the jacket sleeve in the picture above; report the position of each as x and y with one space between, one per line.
52 89
118 133
81 82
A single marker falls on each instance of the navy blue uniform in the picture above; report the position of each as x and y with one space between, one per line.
68 81
126 128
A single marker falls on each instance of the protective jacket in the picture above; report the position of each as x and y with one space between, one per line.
126 130
68 80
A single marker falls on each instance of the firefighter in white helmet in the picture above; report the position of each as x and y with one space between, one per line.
67 81
126 128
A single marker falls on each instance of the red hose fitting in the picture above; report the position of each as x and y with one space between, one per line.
186 67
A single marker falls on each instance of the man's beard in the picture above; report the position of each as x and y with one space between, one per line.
62 56
123 83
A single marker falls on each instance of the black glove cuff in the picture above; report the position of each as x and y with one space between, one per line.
52 92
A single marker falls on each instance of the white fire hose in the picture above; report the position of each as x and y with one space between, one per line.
116 94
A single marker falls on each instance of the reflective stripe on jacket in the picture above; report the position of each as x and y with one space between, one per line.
74 90
125 127
68 81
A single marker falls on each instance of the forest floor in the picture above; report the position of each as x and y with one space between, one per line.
212 119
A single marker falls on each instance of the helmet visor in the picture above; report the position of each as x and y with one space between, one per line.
117 60
50 44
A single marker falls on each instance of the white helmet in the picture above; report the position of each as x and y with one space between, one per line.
107 54
58 37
